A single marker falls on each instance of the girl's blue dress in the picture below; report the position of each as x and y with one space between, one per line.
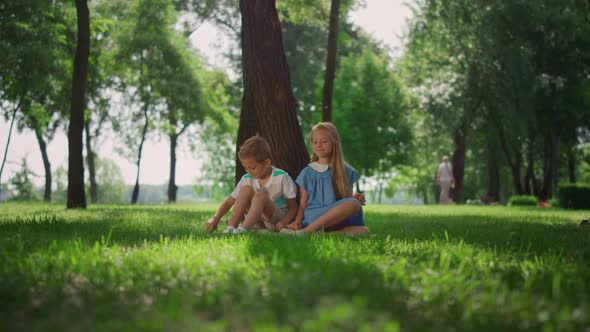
318 186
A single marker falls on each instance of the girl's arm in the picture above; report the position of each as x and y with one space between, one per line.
302 205
212 223
292 205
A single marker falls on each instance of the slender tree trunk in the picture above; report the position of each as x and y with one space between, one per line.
459 159
91 166
546 192
571 165
493 175
135 195
331 61
76 195
425 194
172 188
46 165
514 164
268 104
8 140
554 144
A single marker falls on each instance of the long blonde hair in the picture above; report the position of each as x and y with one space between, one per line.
339 178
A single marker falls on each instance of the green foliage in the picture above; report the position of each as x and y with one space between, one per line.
574 195
520 200
370 110
153 267
23 185
110 183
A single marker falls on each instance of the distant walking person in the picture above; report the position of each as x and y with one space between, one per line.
445 178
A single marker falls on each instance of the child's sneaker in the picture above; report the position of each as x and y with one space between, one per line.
229 230
240 230
287 231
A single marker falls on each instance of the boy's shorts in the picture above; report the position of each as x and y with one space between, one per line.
277 215
356 219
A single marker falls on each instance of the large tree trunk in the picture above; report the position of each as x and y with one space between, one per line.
46 164
268 104
458 160
135 194
172 188
331 61
8 140
91 166
76 196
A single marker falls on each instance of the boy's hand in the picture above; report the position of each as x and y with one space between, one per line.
360 197
211 225
294 225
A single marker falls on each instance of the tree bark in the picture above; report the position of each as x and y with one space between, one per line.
172 188
76 197
91 166
46 164
331 61
268 104
458 160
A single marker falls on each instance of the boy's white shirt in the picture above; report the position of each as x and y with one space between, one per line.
279 186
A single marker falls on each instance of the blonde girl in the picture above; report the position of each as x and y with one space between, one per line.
326 199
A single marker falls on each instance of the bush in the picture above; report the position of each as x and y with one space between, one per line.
574 196
520 200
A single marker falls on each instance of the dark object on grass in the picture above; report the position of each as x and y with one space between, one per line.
585 222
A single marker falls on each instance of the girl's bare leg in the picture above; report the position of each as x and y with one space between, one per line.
334 216
353 230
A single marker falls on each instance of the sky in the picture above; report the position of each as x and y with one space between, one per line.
384 19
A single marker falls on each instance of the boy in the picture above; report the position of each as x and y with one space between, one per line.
265 193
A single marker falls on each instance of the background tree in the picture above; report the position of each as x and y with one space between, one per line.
76 194
268 104
23 184
35 75
372 114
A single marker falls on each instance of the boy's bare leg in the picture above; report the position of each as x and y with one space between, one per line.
353 230
334 216
241 205
260 204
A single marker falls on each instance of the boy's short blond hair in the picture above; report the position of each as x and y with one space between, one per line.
256 147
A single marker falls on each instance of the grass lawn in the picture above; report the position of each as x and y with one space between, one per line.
423 268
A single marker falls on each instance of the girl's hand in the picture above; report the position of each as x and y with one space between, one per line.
295 225
280 226
360 197
211 225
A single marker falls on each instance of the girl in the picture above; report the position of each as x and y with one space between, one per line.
326 199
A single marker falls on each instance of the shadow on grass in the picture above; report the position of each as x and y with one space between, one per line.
129 226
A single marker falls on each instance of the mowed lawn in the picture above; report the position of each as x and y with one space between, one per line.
423 268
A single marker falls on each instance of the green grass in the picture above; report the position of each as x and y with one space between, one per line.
448 268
